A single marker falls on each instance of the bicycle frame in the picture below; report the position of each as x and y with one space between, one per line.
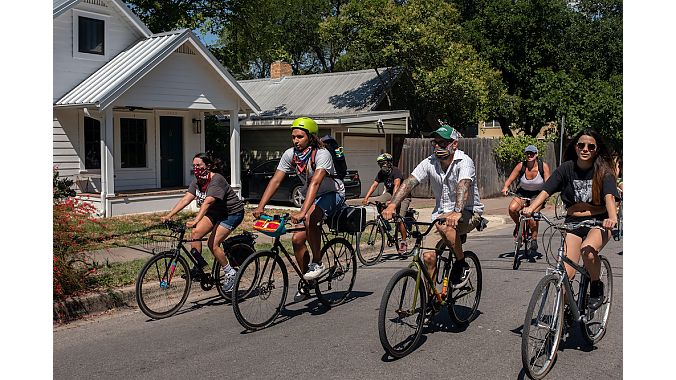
391 239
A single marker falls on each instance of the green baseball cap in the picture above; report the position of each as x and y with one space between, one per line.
446 132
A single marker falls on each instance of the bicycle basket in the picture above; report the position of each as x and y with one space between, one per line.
155 243
270 226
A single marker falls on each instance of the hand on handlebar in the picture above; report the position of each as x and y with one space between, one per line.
298 217
527 211
365 201
191 224
257 212
609 224
389 211
505 191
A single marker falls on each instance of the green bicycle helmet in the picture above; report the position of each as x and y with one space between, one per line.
305 123
384 157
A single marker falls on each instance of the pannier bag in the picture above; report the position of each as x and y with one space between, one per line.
240 247
348 219
270 226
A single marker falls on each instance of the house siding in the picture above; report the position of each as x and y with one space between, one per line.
65 140
70 71
182 81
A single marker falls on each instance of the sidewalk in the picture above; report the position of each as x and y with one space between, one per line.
495 210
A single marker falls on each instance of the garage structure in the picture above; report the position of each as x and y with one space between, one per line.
350 106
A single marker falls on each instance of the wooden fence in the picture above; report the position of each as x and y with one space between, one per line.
490 177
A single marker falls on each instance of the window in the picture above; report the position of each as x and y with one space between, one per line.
90 35
133 143
92 143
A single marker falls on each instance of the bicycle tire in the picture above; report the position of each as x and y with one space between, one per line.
338 256
269 270
396 291
158 299
218 275
596 325
371 243
549 326
463 302
559 207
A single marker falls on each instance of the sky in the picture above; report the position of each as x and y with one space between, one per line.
26 146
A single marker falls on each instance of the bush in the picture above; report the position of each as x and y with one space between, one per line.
70 241
62 186
509 150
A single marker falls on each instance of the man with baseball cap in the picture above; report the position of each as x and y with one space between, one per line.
452 176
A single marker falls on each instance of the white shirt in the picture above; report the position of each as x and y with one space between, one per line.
444 184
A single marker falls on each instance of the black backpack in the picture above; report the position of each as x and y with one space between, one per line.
337 155
541 169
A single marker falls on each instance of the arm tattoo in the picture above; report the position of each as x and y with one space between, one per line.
462 193
404 189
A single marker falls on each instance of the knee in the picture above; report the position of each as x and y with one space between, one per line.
429 258
297 240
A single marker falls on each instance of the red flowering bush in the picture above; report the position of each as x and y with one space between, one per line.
70 241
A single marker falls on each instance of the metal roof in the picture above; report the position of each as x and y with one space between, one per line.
109 82
349 92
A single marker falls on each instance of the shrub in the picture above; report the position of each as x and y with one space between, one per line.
509 150
62 186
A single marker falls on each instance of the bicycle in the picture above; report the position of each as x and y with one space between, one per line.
412 295
543 326
371 249
164 282
261 301
618 231
524 234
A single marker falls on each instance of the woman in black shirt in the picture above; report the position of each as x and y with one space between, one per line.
588 188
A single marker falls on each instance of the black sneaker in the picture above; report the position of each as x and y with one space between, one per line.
195 273
533 251
458 271
595 295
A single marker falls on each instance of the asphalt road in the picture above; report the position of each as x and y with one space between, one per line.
205 340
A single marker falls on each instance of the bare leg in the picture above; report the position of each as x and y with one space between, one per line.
300 250
217 237
313 230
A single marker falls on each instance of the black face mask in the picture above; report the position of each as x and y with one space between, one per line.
386 168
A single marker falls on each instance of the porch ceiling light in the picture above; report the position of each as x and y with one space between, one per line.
196 126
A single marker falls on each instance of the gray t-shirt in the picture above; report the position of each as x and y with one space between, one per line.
322 161
227 201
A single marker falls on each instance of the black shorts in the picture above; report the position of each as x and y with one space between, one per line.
527 193
583 231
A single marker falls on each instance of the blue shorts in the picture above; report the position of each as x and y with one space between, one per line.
330 202
232 220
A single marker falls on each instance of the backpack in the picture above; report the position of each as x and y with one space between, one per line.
541 169
337 156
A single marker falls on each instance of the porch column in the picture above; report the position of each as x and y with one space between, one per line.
107 162
235 163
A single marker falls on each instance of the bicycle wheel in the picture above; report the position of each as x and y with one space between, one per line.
463 300
542 328
338 257
517 250
559 207
160 288
219 275
597 321
402 313
371 243
260 290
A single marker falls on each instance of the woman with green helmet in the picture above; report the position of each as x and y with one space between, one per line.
324 194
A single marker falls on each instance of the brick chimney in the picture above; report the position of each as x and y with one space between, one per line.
279 69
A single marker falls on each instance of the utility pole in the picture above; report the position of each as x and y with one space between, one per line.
563 126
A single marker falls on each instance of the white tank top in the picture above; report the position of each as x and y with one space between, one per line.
534 184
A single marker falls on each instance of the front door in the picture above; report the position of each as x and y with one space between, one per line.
171 151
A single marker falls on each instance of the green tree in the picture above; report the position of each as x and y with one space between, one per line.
165 15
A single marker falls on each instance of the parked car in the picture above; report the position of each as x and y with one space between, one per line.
254 182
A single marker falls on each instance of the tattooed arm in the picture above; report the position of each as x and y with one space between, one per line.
404 190
462 193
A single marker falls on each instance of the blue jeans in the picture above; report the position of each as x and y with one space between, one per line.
330 202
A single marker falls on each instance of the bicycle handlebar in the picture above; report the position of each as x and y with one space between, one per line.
174 226
519 196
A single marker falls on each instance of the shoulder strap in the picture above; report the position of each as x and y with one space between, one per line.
541 168
523 169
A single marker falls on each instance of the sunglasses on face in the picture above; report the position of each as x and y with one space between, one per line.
530 154
441 144
590 147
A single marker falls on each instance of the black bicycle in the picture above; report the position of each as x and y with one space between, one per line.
412 295
262 282
523 238
556 304
164 282
372 241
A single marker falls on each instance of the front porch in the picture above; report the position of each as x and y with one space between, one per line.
138 201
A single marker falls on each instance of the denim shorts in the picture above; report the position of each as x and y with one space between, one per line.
330 202
232 220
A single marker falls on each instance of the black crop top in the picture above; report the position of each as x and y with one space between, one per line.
575 184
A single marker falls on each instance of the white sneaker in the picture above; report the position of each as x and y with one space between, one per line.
314 270
403 247
229 281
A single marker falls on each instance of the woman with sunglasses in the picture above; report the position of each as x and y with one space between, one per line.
531 174
586 181
220 212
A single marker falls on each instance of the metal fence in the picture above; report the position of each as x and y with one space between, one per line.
490 177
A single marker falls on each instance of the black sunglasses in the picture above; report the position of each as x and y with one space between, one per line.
442 144
530 153
590 147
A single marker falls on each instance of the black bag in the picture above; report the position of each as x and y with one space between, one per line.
348 219
337 156
240 247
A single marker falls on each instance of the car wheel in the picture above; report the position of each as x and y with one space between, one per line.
297 198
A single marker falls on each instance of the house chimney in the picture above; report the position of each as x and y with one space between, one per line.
279 69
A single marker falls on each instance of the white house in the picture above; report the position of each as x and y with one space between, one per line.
129 106
352 106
